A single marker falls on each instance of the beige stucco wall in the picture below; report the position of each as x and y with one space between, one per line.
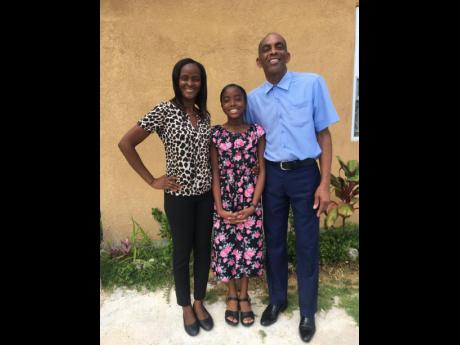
141 40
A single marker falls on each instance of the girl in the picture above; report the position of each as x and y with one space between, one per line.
183 125
237 242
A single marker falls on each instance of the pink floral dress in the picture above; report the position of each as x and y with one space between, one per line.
237 248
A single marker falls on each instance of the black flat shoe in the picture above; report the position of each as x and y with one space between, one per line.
270 314
231 313
207 324
307 328
192 329
246 314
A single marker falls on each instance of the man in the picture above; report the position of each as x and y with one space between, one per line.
295 110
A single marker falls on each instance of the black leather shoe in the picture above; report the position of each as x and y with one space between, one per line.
192 329
270 314
307 328
207 324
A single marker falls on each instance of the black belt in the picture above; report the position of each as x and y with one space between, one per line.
291 165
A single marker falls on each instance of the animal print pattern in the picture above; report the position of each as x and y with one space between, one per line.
186 147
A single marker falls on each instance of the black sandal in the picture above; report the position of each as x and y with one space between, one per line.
231 313
247 314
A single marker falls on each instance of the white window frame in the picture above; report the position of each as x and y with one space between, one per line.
355 79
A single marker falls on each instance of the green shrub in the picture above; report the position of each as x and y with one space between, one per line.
334 243
152 269
165 230
346 190
142 263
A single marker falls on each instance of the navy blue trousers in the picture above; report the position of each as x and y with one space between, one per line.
282 189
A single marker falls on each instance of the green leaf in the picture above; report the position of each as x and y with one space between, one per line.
352 165
345 210
341 162
354 178
342 183
133 240
343 166
133 232
145 237
331 217
339 194
335 181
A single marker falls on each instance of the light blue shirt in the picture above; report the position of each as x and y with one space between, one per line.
292 112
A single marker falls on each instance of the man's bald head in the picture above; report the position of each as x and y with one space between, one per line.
261 43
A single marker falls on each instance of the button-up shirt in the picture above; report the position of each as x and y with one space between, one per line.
292 112
186 147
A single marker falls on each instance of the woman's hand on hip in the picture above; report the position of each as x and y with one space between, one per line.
165 182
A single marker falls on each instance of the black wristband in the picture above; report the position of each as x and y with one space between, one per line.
251 204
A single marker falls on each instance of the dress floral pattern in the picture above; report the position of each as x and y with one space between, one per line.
237 248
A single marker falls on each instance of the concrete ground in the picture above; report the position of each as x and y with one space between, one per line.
129 317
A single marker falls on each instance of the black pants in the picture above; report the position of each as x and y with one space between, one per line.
190 219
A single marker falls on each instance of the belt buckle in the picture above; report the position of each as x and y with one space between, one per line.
281 166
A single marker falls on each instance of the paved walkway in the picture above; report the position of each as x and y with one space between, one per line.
129 317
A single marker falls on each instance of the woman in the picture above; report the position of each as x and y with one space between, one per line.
183 125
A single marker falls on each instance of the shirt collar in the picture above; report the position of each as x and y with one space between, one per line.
284 83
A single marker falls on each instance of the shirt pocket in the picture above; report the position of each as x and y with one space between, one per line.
300 114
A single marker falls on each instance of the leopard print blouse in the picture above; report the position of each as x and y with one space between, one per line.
186 147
